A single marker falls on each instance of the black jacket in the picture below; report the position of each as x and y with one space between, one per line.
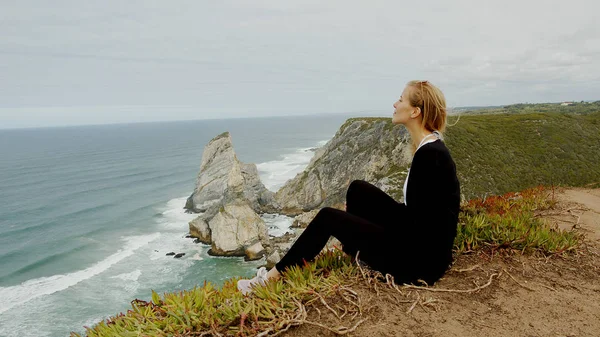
429 219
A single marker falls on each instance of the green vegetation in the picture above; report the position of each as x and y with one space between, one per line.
369 122
222 135
210 311
499 153
571 108
505 222
509 221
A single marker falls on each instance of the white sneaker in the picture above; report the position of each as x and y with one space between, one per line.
245 286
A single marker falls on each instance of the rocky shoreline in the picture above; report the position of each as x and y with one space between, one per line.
374 150
230 197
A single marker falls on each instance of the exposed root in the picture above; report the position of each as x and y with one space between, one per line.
327 305
477 266
462 291
410 309
517 282
342 330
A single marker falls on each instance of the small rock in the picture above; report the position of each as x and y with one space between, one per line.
199 229
188 236
302 220
170 254
177 256
273 259
333 243
254 252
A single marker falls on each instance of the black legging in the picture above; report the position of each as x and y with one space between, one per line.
366 226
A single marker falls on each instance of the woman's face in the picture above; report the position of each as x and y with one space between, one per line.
402 109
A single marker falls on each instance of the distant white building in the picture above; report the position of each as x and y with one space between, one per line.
566 103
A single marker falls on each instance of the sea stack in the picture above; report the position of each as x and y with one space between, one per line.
223 179
230 195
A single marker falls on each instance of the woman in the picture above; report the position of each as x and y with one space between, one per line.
412 240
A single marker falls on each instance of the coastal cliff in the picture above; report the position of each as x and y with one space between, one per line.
494 154
500 152
370 149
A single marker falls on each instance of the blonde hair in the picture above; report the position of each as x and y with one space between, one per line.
432 103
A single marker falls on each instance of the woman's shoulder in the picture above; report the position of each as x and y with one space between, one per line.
435 150
437 146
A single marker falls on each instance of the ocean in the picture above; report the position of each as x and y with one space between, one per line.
88 213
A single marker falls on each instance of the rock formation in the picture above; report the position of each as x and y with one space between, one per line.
237 230
302 220
224 179
229 194
370 149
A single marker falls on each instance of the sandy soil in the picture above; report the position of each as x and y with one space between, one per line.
527 296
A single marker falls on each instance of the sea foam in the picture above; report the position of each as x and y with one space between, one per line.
274 174
277 224
28 290
175 216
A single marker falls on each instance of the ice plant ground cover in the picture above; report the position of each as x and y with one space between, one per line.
511 221
507 223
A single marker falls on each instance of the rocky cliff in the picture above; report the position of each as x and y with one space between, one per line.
229 194
370 149
223 178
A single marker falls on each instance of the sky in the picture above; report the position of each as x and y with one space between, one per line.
66 62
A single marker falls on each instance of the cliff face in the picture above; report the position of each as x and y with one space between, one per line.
223 179
370 149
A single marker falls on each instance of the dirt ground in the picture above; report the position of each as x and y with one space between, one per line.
484 295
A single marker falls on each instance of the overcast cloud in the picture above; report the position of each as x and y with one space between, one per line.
82 62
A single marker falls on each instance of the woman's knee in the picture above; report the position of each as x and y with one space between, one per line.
325 217
325 212
354 189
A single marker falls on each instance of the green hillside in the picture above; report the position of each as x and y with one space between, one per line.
497 153
570 108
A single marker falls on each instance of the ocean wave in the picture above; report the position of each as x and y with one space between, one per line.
322 143
59 219
277 224
274 174
132 276
41 262
28 290
172 221
174 215
92 182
